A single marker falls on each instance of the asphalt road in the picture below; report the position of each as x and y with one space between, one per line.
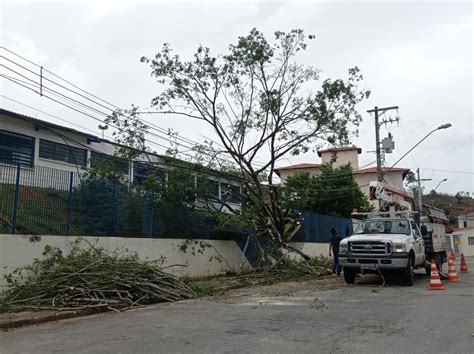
364 318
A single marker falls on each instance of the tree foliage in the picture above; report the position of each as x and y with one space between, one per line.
260 104
333 192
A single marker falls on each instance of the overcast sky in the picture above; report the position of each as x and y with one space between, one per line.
417 55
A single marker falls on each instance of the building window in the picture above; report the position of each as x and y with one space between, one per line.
230 193
64 153
117 164
209 188
470 241
141 171
16 148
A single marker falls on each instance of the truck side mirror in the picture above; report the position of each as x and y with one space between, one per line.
424 230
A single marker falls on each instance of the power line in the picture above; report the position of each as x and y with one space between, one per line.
153 126
326 178
448 171
70 106
149 141
349 188
40 85
53 74
52 81
50 115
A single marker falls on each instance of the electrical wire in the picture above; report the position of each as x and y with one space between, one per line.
338 176
70 106
51 115
447 171
72 102
153 126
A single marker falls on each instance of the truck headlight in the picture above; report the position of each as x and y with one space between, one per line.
399 247
343 247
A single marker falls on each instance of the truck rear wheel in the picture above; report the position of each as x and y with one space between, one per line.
439 261
349 275
409 274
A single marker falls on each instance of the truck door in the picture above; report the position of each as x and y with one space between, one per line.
419 246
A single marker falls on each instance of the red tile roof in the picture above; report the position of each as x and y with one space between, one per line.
307 166
384 169
343 148
300 166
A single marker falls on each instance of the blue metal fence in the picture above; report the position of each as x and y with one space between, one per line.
317 228
47 201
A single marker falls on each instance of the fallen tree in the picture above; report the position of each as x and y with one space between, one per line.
90 278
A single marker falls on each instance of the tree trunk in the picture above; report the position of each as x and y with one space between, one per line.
294 249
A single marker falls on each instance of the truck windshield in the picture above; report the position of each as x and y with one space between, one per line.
380 226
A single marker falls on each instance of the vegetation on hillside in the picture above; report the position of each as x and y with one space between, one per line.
453 205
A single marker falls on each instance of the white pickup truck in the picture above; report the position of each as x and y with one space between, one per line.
382 244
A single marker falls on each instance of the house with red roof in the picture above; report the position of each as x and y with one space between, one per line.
393 177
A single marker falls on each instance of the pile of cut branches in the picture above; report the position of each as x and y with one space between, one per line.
317 266
289 269
90 278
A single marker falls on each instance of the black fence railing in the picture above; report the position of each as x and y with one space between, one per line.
46 201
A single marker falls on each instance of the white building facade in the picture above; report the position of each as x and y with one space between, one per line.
40 148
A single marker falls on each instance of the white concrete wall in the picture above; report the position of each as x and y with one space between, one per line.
342 158
284 174
20 250
466 218
22 127
311 249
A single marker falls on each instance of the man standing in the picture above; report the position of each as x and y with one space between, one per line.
334 242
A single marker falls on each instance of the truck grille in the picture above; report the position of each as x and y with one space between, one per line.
370 247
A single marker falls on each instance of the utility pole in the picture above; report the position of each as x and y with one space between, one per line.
378 124
378 153
420 205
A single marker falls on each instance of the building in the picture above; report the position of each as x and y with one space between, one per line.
393 177
462 241
40 148
466 220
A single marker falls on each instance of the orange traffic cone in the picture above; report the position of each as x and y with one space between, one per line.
453 255
452 275
463 265
435 281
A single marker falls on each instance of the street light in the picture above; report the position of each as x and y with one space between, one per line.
444 126
443 180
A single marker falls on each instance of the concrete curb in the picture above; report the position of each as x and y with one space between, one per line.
23 322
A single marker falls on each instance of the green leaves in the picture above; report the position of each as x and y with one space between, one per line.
333 192
262 105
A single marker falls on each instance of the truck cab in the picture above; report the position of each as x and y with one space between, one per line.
383 244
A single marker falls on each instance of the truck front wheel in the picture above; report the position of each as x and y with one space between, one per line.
428 269
409 274
349 275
